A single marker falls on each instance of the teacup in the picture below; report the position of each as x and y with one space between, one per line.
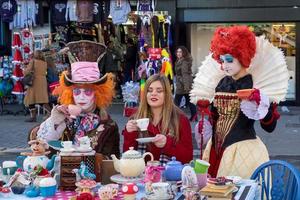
9 167
84 146
202 180
108 192
74 111
161 189
200 166
67 144
143 123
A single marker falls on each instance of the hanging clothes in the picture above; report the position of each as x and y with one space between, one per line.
39 14
58 10
7 10
146 31
25 15
71 10
155 31
119 10
84 11
145 5
97 11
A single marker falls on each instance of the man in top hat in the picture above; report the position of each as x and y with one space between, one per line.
83 95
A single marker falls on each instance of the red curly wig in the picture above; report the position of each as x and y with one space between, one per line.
237 41
103 92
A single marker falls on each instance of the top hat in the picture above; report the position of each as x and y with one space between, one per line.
85 50
85 70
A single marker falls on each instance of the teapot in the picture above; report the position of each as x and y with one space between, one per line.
84 141
173 170
131 164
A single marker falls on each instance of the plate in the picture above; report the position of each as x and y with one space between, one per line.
235 179
78 149
153 197
219 187
118 178
145 140
66 150
55 144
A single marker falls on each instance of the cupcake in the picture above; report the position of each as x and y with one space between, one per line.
48 187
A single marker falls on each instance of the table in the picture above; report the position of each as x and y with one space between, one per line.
253 193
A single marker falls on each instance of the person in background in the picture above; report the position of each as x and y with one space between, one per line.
52 77
184 79
38 92
110 64
130 60
168 124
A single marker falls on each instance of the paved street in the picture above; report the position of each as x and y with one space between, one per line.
283 143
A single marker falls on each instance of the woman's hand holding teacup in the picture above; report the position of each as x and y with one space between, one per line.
131 126
160 140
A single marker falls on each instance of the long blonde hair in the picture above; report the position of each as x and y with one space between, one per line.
170 112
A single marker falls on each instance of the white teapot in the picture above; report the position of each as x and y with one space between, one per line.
131 164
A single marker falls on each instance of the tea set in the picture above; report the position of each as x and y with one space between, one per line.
84 145
131 164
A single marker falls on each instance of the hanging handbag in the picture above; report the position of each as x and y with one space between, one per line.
28 78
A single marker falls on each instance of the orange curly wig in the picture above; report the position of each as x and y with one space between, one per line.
237 41
104 93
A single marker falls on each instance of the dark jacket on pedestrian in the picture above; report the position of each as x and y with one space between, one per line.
184 78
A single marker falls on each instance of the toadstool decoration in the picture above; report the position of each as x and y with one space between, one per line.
129 190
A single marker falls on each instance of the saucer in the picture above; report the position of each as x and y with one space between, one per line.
84 149
118 178
154 197
67 150
145 139
55 144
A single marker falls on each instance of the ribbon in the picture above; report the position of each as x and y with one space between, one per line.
255 96
275 111
153 173
203 110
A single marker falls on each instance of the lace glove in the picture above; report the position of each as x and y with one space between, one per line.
53 127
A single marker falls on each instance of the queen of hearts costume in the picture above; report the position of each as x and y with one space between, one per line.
234 148
96 124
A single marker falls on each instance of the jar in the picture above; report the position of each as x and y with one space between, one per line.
153 174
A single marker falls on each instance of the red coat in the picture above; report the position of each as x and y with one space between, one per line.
182 150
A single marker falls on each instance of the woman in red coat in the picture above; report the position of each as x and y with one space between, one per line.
168 124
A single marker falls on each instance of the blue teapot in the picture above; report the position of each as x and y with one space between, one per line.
173 170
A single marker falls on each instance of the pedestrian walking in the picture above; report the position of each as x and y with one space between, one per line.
38 92
184 79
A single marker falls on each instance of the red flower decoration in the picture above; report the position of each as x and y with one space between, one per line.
44 172
85 196
203 103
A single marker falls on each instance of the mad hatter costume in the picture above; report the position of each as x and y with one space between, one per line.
85 87
239 61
